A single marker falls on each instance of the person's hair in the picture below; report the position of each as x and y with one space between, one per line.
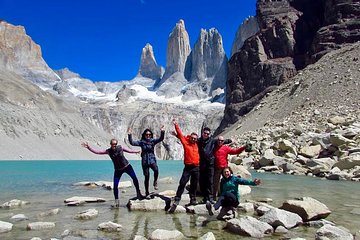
222 173
144 133
206 129
113 140
193 133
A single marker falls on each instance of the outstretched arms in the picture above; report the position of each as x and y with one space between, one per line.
86 145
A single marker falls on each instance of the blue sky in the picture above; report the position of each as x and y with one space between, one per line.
102 39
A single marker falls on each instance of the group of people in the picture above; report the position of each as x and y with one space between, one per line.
205 160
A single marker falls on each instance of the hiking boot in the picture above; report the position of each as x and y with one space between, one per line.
173 207
209 208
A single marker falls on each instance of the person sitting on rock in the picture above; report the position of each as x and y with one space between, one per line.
191 169
148 159
221 153
121 165
229 190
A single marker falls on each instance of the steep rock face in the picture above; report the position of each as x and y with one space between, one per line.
208 61
247 29
178 50
341 25
18 53
118 118
264 60
148 66
293 33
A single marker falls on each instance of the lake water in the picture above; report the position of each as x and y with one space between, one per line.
45 184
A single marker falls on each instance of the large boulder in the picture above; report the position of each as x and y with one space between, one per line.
160 234
249 226
307 208
278 217
332 232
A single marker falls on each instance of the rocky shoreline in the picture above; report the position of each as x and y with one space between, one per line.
256 218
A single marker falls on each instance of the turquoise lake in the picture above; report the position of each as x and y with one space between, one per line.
45 184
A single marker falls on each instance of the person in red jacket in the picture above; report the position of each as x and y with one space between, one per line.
191 169
221 153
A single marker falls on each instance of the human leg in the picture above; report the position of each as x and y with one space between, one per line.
116 180
217 175
155 169
180 190
194 179
203 182
130 171
146 173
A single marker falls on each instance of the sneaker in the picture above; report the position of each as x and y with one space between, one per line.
156 186
209 208
173 207
117 204
212 201
192 202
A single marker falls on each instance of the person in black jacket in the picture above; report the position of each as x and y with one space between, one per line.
148 158
206 144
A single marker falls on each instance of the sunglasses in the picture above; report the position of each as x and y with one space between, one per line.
147 134
113 144
221 140
194 139
206 133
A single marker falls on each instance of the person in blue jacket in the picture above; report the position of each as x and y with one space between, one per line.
148 159
229 190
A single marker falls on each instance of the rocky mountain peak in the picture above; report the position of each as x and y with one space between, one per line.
21 55
148 66
207 64
65 73
247 29
178 50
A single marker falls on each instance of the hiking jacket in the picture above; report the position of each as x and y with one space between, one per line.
147 148
221 154
191 150
231 184
206 150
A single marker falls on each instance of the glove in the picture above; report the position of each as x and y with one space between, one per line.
248 147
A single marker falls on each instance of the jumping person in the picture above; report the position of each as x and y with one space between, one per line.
229 190
148 159
191 169
121 165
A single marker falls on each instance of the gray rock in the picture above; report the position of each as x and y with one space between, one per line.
278 217
161 234
14 204
19 217
109 227
5 227
332 232
248 28
249 226
40 225
87 214
207 236
307 208
84 199
51 212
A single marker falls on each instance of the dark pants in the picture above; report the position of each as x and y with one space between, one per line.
117 175
207 181
229 200
192 173
146 171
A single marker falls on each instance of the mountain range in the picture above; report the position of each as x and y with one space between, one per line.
46 113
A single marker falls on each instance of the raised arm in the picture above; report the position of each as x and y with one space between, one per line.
234 151
178 131
86 145
162 135
131 141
